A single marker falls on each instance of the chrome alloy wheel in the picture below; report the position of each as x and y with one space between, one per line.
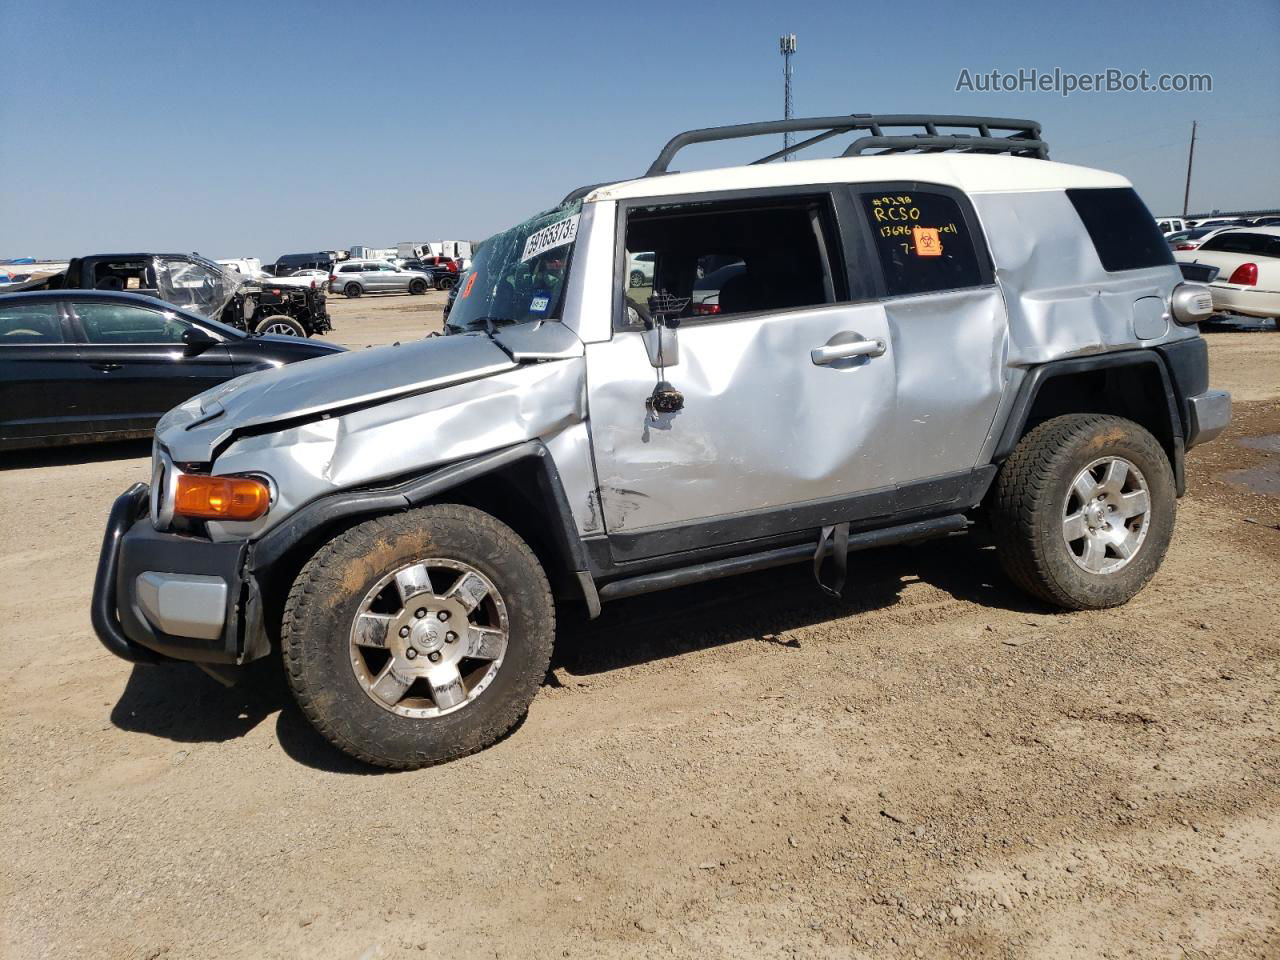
429 638
1105 518
280 329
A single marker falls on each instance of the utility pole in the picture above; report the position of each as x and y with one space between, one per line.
786 46
1191 155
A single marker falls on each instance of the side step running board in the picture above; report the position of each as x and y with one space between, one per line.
679 577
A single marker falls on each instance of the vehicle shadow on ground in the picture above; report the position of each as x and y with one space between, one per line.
766 605
183 704
74 455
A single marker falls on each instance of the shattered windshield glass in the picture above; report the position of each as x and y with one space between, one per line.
519 275
200 285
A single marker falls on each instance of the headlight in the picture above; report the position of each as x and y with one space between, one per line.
164 479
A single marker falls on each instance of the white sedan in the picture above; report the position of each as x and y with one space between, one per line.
1248 262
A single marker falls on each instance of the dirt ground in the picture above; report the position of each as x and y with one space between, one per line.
933 766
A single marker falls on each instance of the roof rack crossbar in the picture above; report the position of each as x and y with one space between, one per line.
1025 139
957 143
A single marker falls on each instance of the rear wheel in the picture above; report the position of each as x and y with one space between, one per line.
282 326
419 637
352 290
417 287
446 283
637 278
1083 511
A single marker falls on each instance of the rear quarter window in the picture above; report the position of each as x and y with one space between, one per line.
1121 228
922 240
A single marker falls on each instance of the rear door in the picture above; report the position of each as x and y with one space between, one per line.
39 370
947 324
137 365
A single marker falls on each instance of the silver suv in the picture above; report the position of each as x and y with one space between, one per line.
354 278
949 332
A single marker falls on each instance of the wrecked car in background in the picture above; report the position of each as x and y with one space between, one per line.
954 330
257 304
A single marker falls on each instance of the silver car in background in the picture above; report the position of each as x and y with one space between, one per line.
354 278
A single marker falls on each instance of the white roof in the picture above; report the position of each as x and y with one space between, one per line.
969 172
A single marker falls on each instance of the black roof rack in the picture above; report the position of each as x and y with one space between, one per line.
1020 138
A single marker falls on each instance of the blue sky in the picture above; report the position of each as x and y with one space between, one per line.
241 129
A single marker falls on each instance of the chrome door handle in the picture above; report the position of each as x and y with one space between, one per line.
832 352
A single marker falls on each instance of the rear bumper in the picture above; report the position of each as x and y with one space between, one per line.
163 596
1208 415
1249 301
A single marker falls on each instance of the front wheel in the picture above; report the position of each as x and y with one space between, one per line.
1083 511
637 278
419 637
282 326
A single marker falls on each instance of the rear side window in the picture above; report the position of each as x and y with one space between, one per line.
1121 227
1254 244
30 323
923 242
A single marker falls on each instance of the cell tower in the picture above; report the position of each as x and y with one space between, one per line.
786 46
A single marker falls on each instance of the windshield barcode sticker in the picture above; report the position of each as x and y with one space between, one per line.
556 235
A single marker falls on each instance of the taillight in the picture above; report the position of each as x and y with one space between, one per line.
1185 246
333 278
453 266
706 309
1246 275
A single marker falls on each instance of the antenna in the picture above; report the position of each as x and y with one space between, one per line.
786 46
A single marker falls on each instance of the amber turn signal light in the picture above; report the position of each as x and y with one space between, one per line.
220 498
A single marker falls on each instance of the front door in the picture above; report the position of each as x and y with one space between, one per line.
788 380
137 365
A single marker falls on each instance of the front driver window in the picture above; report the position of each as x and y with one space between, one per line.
114 323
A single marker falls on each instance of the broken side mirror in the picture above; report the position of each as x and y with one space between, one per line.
661 343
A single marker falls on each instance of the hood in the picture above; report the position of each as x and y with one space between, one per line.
333 384
327 384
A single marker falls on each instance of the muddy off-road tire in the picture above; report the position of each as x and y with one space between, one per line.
1083 511
419 637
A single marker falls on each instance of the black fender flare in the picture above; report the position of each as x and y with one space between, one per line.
345 505
1037 377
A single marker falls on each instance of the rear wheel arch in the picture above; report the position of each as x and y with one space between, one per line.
1134 384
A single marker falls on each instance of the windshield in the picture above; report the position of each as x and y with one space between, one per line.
199 285
519 275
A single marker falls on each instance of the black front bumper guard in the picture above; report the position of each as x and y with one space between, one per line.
103 611
132 546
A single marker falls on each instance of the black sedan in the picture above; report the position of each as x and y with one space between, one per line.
85 365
